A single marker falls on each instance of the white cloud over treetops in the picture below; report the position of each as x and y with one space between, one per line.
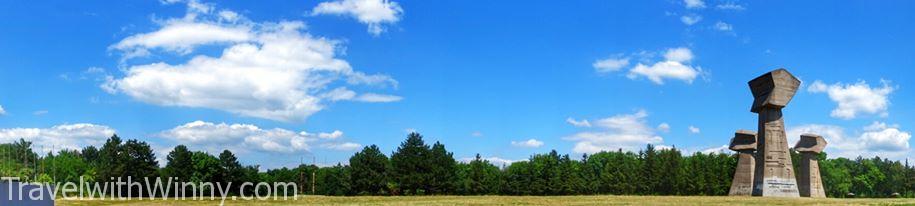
530 143
624 131
65 136
876 139
269 70
246 138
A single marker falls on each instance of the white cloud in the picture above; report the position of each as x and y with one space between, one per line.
246 137
476 134
721 26
694 4
333 135
855 99
880 137
664 127
497 161
680 54
270 70
66 136
877 139
625 131
691 19
730 7
694 130
2 111
531 143
372 97
673 67
373 13
577 123
610 64
40 112
723 149
342 146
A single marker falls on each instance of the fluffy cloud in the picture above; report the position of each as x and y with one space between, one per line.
373 13
675 65
625 131
721 26
664 127
577 123
854 99
342 146
730 7
531 143
694 4
694 130
245 137
270 70
610 64
691 19
723 149
66 136
877 139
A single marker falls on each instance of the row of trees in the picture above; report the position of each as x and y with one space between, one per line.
416 168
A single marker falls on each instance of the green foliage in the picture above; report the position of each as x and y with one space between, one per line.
478 177
411 166
180 165
416 168
369 171
443 170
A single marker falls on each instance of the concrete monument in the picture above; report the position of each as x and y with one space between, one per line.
774 175
809 182
744 143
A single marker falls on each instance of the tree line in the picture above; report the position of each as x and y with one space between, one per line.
416 168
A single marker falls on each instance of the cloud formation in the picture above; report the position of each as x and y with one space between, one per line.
721 26
269 70
611 64
675 65
691 19
694 4
215 137
693 129
855 99
577 123
374 13
624 131
65 136
877 139
531 143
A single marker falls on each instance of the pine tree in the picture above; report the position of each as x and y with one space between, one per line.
368 170
179 165
442 169
411 167
232 171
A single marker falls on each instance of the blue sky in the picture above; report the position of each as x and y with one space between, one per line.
283 81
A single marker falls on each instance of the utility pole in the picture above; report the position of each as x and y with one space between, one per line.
313 162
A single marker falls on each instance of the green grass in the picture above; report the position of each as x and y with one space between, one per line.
513 200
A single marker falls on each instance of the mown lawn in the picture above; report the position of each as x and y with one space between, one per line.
512 200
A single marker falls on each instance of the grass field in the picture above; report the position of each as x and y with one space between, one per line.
513 200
